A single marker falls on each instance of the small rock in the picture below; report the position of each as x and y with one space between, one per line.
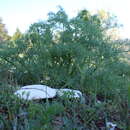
33 92
23 114
99 102
111 126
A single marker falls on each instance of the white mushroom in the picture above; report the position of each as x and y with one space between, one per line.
70 93
32 92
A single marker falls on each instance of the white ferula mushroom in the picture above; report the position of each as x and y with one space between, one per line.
33 92
69 93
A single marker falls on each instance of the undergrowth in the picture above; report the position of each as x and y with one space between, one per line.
60 113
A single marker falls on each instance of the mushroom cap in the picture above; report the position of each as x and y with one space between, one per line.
32 92
70 93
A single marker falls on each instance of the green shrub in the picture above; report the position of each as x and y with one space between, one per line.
62 52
